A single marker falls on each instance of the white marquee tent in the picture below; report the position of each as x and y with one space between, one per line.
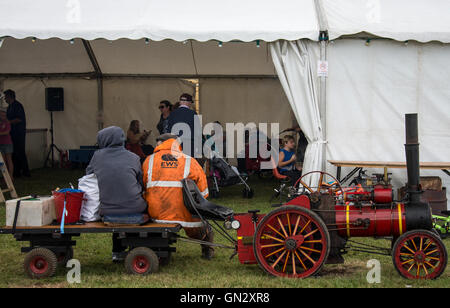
116 60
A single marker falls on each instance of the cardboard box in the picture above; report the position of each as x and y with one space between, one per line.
33 212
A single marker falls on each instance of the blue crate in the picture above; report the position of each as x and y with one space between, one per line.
82 155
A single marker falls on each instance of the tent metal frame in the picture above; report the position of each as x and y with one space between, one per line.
94 75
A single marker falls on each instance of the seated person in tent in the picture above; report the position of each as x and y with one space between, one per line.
136 138
163 172
119 177
302 143
287 158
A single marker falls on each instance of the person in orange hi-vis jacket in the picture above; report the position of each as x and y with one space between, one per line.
163 172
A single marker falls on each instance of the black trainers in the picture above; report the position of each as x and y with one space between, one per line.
208 251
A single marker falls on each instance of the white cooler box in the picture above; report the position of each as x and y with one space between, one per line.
33 212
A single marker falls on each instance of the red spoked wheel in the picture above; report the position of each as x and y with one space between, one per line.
419 254
292 242
141 261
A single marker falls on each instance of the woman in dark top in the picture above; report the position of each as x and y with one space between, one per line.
163 125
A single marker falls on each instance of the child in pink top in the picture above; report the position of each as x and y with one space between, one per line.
6 145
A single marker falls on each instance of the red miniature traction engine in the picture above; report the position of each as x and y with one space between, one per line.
315 226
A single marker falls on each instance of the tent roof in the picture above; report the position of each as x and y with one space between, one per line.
136 57
400 20
204 20
179 20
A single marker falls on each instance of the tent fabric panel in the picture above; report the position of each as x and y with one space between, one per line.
296 64
177 58
43 56
380 89
135 57
138 99
400 20
233 58
201 20
74 126
244 100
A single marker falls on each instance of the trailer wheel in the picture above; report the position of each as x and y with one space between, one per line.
141 261
40 263
64 257
166 260
292 242
419 254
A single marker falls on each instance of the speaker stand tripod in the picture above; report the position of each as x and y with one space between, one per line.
52 145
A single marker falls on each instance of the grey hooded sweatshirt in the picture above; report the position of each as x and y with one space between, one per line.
119 174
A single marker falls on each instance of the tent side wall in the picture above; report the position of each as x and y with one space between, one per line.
382 82
74 126
125 99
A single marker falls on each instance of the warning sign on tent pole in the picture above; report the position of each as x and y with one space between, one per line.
322 68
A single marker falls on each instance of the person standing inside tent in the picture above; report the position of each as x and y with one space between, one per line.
163 125
16 116
182 122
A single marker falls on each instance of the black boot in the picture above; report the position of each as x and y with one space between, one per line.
208 251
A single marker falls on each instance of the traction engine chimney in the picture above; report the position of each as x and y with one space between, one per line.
412 157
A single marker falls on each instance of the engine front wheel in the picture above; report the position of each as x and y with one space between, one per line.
419 254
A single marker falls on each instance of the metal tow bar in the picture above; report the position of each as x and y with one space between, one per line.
195 241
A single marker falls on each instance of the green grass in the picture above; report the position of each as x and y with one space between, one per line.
187 269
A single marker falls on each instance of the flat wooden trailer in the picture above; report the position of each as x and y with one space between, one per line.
149 245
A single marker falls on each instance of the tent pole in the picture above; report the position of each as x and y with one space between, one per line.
99 76
323 96
323 40
86 75
92 75
100 103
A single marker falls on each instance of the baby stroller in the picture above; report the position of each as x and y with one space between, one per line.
222 174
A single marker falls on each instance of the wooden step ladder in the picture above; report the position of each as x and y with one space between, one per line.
9 183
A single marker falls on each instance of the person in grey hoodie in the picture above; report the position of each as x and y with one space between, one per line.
119 176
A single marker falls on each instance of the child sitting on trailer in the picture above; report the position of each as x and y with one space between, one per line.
287 158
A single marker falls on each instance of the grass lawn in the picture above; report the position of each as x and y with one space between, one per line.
187 269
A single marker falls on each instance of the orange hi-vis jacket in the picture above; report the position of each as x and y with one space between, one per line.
163 172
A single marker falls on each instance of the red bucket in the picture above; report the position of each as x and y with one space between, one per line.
73 205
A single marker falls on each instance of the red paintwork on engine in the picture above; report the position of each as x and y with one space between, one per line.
301 200
245 237
382 195
382 220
